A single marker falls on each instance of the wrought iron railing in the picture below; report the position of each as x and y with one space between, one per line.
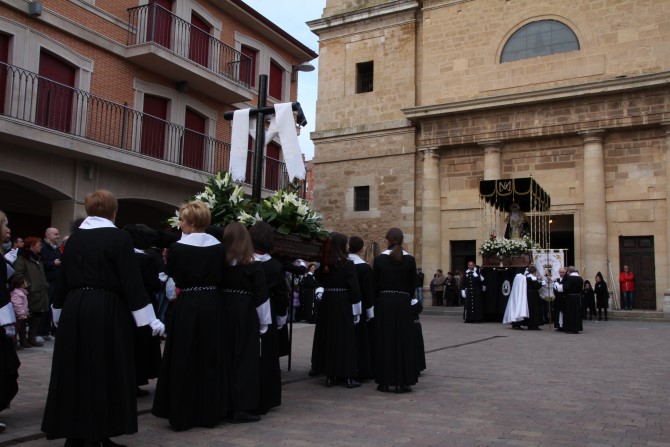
28 97
153 23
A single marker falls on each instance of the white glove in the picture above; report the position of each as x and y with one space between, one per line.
475 275
318 293
157 328
55 315
483 288
414 301
463 293
370 313
10 330
281 321
264 328
357 319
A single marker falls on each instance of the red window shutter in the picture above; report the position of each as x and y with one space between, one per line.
276 80
194 140
199 44
158 26
4 57
248 72
55 93
272 170
153 126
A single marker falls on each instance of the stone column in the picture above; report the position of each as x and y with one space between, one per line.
595 208
492 169
666 152
431 240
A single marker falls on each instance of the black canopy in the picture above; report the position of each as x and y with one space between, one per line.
501 193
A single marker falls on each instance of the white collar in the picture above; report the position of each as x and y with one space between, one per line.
533 277
92 222
199 240
357 259
262 258
388 252
137 250
574 274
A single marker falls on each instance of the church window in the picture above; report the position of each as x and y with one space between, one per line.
364 77
361 198
540 38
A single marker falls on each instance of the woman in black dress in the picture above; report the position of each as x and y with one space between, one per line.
92 389
262 238
8 359
248 316
588 300
394 279
334 345
364 272
192 388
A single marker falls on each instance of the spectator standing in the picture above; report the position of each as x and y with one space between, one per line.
438 296
51 261
28 266
17 243
308 285
602 296
420 277
627 283
19 296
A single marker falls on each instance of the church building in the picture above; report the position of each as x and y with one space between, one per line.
420 100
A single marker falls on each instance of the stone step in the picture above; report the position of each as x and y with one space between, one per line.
620 315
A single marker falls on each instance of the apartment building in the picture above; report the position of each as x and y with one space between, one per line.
129 95
420 100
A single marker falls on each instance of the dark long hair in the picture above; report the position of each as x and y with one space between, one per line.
336 253
394 237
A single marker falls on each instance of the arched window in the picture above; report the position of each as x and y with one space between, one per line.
539 39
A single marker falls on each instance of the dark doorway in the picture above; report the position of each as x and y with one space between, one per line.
562 235
637 252
462 252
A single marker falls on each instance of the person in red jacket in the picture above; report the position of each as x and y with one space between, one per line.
626 280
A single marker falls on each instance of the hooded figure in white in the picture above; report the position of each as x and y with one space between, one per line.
517 305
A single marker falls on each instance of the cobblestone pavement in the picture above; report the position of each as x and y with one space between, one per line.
486 385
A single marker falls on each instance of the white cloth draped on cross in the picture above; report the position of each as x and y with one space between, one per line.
282 124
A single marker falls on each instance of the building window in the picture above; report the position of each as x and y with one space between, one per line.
361 198
364 77
540 38
276 81
248 66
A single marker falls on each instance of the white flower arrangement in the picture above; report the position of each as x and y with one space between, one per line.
506 247
284 210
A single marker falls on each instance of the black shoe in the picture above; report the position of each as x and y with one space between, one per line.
241 417
329 381
403 389
141 393
383 388
74 442
352 383
311 373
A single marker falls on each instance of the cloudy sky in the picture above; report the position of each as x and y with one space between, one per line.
291 16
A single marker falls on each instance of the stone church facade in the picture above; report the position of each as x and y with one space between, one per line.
420 100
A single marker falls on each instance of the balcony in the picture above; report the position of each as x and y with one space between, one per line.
163 43
30 98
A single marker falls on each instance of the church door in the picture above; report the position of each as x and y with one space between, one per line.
637 252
